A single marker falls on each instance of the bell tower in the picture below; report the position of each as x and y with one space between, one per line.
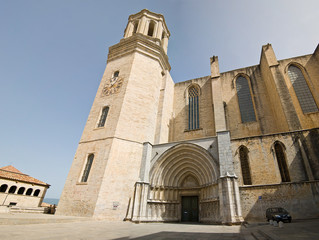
127 112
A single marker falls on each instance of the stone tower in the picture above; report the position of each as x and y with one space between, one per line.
127 112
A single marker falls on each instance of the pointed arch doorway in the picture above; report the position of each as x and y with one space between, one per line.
183 186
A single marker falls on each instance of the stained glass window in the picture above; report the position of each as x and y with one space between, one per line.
245 102
302 90
193 108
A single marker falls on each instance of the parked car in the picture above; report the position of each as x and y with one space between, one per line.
278 214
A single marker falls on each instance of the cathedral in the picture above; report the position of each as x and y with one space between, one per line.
216 149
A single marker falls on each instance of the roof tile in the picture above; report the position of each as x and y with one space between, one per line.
10 172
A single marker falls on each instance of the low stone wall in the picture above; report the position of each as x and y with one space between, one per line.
300 199
163 212
4 209
15 209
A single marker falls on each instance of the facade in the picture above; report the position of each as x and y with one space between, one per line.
221 148
20 190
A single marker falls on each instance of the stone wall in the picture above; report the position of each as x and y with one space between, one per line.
301 200
179 123
263 164
22 200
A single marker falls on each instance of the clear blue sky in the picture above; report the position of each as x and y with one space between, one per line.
53 54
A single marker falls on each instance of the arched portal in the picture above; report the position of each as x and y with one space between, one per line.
183 185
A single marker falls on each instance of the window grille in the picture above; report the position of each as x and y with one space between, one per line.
305 98
244 163
87 169
103 116
246 106
193 108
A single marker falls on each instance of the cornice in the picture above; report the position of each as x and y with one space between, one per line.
142 44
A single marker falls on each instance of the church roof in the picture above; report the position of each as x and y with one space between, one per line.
10 172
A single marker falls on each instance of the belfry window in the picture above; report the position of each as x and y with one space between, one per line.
246 106
282 163
193 108
305 98
87 168
135 27
151 29
104 113
244 163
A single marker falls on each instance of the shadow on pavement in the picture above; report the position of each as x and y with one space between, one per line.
188 235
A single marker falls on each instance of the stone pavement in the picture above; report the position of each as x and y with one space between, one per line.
307 229
35 226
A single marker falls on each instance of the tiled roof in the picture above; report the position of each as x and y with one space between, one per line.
11 168
10 172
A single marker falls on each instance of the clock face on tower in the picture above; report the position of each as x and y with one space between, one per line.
112 85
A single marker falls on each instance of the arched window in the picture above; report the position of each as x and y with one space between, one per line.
87 168
116 74
3 188
193 108
151 27
36 192
282 163
244 163
12 189
104 113
135 27
21 190
305 98
245 102
29 192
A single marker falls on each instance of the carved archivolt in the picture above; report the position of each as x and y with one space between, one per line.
183 165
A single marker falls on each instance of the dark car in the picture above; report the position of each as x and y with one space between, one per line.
278 214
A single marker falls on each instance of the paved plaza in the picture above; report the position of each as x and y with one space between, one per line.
34 226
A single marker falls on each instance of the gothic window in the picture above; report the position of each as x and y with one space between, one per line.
104 113
151 29
246 106
36 192
3 188
29 192
12 189
193 108
87 168
282 163
21 190
244 163
305 98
